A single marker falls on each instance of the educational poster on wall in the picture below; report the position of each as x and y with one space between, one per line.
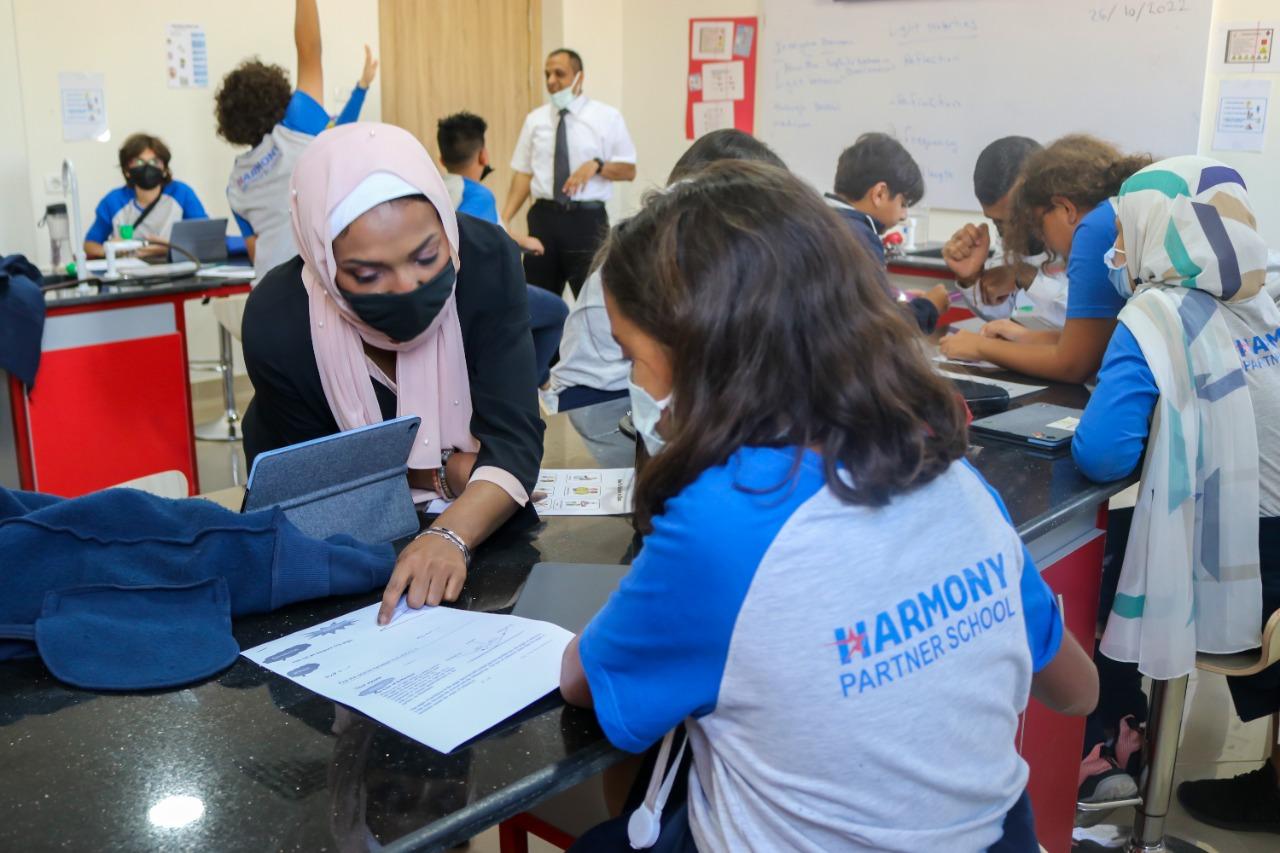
1242 115
83 101
1248 47
186 56
722 75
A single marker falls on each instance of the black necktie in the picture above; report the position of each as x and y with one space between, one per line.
560 171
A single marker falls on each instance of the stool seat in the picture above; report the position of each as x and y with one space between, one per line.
1250 662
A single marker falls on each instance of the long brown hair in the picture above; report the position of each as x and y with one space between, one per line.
780 334
1081 168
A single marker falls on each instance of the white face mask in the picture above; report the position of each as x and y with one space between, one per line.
1116 271
645 414
562 99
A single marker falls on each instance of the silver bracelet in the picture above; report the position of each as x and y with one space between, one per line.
447 534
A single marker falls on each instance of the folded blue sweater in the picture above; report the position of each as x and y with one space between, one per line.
121 590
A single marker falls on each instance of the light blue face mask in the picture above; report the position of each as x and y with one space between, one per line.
645 414
1118 275
562 99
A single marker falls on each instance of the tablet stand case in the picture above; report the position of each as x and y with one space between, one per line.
352 482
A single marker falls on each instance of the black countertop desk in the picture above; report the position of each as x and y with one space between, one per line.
132 289
279 768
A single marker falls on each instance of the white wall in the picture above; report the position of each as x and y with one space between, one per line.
126 44
653 53
17 219
1261 170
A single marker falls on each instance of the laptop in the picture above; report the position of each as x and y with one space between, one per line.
353 482
204 238
1041 426
567 594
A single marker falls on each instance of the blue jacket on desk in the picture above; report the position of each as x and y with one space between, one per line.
120 590
21 318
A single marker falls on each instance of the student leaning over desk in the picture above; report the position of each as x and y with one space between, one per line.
1036 284
1191 381
831 599
1062 203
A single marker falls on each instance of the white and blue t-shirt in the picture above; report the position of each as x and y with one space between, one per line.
120 207
258 191
834 663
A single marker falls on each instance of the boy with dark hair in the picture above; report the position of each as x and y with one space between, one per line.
255 107
877 180
150 200
996 290
466 162
465 156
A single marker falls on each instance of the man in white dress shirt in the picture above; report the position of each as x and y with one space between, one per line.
569 154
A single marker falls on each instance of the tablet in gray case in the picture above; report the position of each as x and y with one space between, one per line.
567 594
352 482
1039 425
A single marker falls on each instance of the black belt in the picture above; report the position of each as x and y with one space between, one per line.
571 205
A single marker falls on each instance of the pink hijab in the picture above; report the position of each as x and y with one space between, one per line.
431 370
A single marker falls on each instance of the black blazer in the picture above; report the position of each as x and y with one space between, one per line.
289 405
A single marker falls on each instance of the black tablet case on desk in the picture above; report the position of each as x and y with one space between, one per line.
982 398
352 482
1029 426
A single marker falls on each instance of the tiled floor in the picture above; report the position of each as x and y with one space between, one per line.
1214 743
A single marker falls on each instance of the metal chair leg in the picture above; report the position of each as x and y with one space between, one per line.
226 427
1164 727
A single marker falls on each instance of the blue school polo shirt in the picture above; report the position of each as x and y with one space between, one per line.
1090 295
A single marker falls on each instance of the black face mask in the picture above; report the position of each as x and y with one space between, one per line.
146 176
404 316
486 171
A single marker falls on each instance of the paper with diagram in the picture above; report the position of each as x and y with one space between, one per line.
584 491
438 675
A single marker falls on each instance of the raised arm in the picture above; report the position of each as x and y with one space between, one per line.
306 38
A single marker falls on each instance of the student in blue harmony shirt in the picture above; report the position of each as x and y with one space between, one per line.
827 595
1062 204
150 200
1191 384
877 180
257 109
460 138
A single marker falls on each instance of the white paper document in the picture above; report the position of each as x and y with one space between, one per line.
711 115
1242 115
723 81
1015 389
83 100
584 491
983 365
438 675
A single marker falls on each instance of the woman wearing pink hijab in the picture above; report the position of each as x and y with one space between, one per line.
396 306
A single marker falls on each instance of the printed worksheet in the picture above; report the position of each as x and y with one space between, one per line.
584 491
438 675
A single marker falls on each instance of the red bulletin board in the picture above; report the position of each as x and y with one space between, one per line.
715 42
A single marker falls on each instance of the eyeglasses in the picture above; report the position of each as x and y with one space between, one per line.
154 161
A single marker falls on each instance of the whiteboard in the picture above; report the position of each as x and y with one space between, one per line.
946 77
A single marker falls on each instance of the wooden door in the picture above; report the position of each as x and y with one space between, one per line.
443 56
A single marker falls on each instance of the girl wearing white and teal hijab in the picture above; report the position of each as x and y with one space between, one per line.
1192 376
1197 356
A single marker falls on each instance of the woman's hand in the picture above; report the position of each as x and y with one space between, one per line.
962 346
431 569
532 245
1006 330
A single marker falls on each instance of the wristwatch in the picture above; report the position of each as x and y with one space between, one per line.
599 165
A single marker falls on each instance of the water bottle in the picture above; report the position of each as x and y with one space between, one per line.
55 219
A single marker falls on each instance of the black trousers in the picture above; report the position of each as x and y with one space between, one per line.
571 236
